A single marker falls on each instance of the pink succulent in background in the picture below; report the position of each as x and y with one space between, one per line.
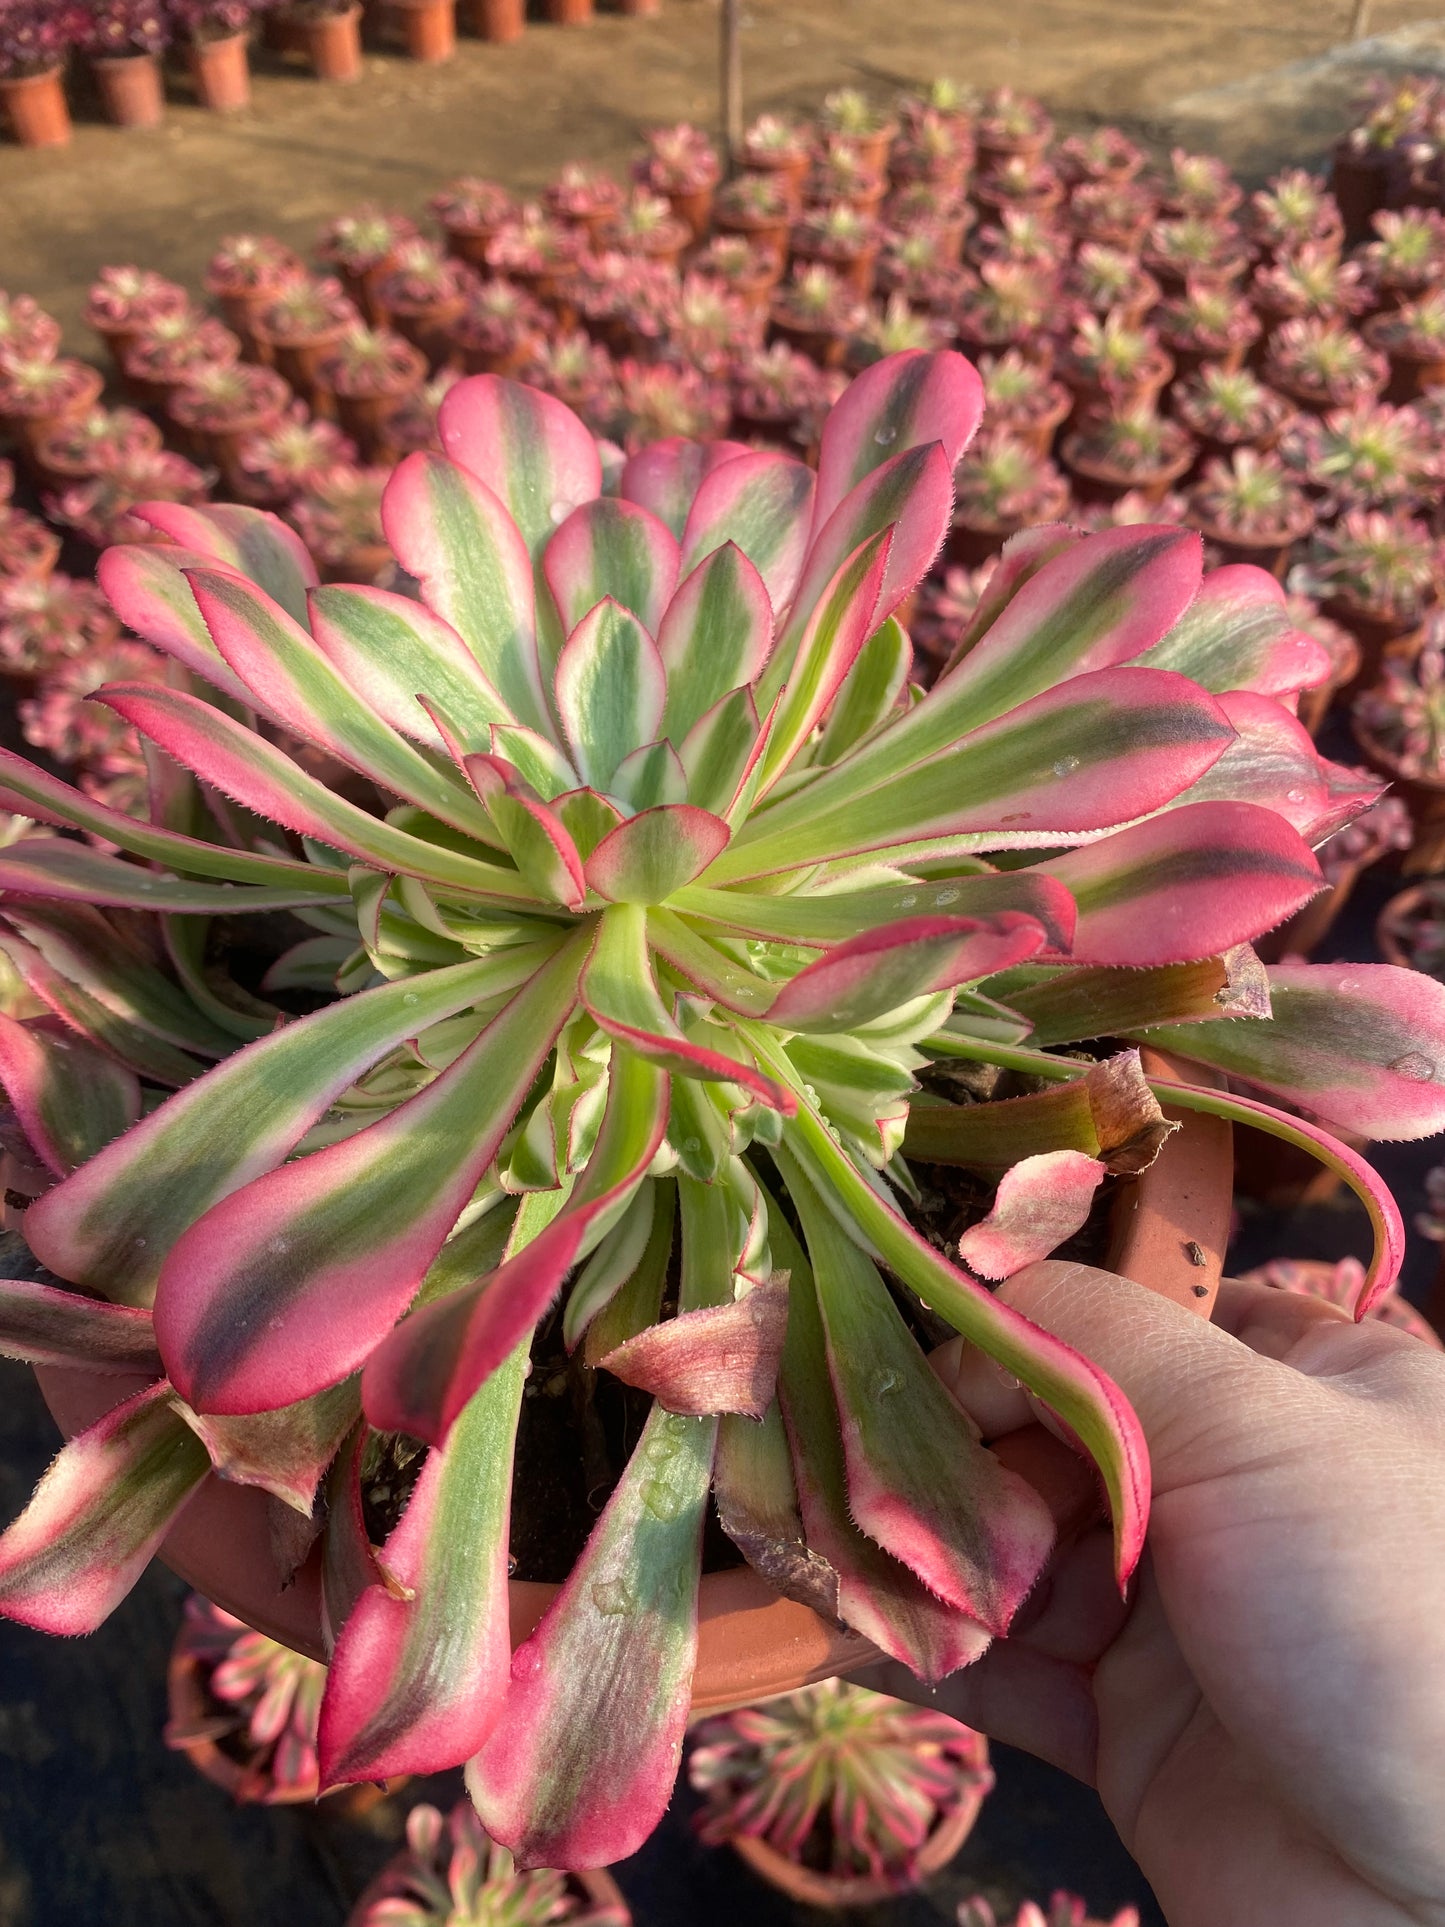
708 326
1408 252
1403 716
532 244
645 224
27 546
102 747
582 193
1380 831
224 397
1112 211
422 276
1006 116
1430 1223
1368 456
1324 362
841 174
625 288
113 29
470 202
735 262
1022 236
1207 320
1372 559
32 388
1338 1281
45 618
896 328
498 319
776 383
1111 356
268 1700
1134 509
99 439
100 508
579 372
1005 303
252 264
306 307
1199 185
847 112
1251 495
1002 482
338 514
453 1875
659 400
1103 278
1195 244
1064 1910
412 424
815 299
288 458
1411 929
124 297
364 238
839 1774
920 263
680 160
371 361
1229 405
1293 210
1103 154
668 840
946 606
171 345
1313 283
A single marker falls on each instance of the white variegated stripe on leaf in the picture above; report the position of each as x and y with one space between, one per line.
529 449
903 401
713 637
762 502
611 687
868 976
146 585
1238 633
611 548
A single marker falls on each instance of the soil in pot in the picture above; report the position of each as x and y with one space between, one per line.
221 73
131 90
35 108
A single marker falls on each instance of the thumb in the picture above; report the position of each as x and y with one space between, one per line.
1208 1403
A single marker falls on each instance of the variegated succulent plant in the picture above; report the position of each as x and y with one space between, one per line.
638 889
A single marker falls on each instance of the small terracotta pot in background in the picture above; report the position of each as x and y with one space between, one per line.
568 13
1098 482
221 73
1270 550
427 28
131 89
1411 374
1379 633
35 108
332 42
499 21
971 543
1359 182
1424 797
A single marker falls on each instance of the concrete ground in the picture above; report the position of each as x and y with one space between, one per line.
1259 82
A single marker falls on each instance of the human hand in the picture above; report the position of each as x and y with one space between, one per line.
1265 1718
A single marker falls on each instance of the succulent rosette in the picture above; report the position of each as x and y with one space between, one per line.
667 891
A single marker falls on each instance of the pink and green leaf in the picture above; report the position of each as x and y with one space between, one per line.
285 1452
532 831
837 917
868 693
763 503
98 1515
1237 633
43 1326
529 449
720 755
1187 884
713 638
253 542
71 1100
721 1358
611 687
1069 1003
647 858
611 548
901 402
650 776
146 585
869 975
72 872
666 475
114 1033
1271 762
1018 562
1040 1202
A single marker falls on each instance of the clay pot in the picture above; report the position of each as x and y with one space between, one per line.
637 9
332 42
35 107
1311 401
1124 398
1038 431
568 13
1101 482
1424 797
428 28
855 270
833 1891
1169 1231
496 20
820 345
760 230
131 90
972 543
788 170
1359 183
221 73
1410 373
298 360
1173 277
1188 360
1043 201
599 1891
1379 633
693 208
1392 926
1267 551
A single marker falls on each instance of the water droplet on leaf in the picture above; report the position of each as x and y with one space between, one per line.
885 435
1414 1066
884 1383
1065 764
612 1597
559 511
660 1499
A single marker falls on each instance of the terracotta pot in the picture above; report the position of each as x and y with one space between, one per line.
1391 927
1100 482
1310 400
568 13
1038 431
855 270
1043 201
35 107
31 430
333 44
365 417
428 28
1125 397
834 1891
595 1886
470 244
1004 147
426 327
1188 359
131 90
972 543
1173 278
693 208
1270 551
496 20
761 231
820 345
221 447
1424 797
1169 1231
1359 183
1380 633
788 170
637 9
242 309
298 360
221 73
1410 373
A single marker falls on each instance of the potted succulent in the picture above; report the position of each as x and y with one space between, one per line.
1024 399
780 147
422 294
497 326
1382 831
682 165
102 508
759 208
943 609
894 329
366 374
1194 247
537 252
645 224
583 197
1064 1910
1368 456
1102 154
299 324
278 463
707 327
1033 240
101 747
1010 124
170 348
837 1795
1108 364
1001 486
471 211
360 246
243 1708
943 95
328 32
1337 1280
1117 213
1018 181
933 147
122 301
1323 365
27 332
775 390
1225 409
450 1874
663 401
1377 573
1413 337
1251 508
579 372
1199 186
816 312
841 173
246 274
1003 306
1206 324
82 444
1410 933
214 36
1103 280
124 41
1311 283
1294 210
742 267
38 393
221 407
45 618
848 114
338 517
1121 452
1400 725
513 1067
28 546
414 424
35 37
919 264
1407 256
1364 156
921 204
843 239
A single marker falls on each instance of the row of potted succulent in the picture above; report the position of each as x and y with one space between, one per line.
1394 154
